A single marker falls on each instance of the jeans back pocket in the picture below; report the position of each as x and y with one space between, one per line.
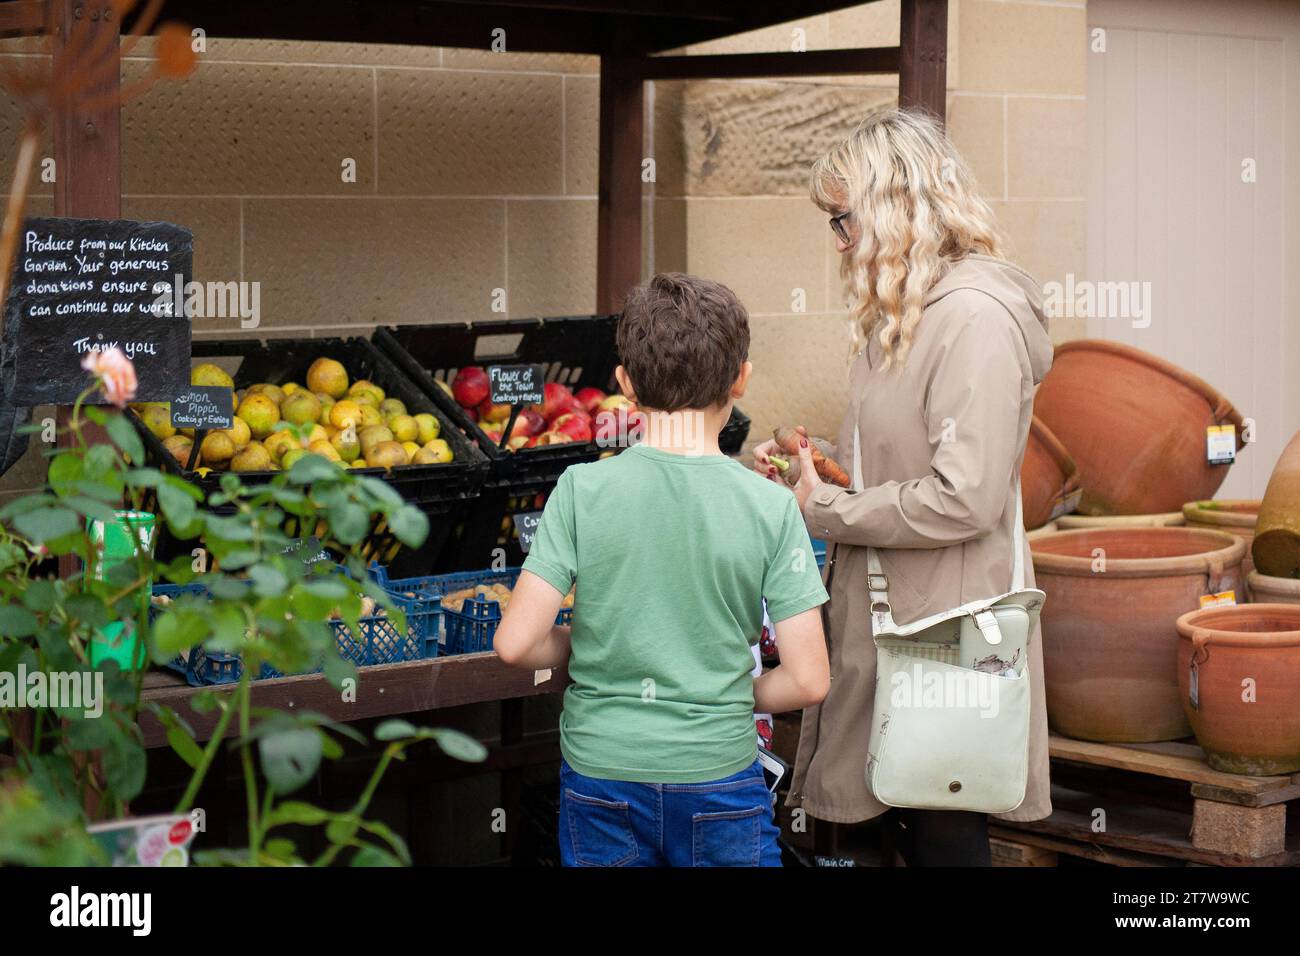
728 838
600 831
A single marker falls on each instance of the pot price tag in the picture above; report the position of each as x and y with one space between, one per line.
526 526
1221 444
1222 599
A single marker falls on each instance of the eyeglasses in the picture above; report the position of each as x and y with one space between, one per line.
840 230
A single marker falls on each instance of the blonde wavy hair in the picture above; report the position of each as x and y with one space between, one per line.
915 211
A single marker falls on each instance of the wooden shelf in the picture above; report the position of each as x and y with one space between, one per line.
385 690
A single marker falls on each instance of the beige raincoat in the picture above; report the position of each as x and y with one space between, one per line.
942 438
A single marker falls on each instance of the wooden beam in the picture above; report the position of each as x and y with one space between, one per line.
412 687
923 67
87 146
22 17
713 10
719 66
618 227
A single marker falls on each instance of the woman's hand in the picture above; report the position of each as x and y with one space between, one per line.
809 480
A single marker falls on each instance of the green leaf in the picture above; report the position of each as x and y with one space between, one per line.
16 621
342 829
86 608
91 508
383 831
43 524
312 468
177 507
461 746
296 812
124 766
290 758
349 522
410 525
268 580
278 848
65 471
179 734
125 437
394 730
369 856
144 477
25 504
39 596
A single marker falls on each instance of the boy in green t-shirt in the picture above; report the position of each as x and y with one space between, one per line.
673 547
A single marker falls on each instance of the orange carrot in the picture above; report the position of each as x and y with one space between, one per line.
827 469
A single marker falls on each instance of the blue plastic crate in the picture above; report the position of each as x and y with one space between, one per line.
472 627
376 641
819 552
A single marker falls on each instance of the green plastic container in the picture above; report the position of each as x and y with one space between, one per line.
114 544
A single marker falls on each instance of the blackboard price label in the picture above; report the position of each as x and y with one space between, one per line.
307 550
516 384
87 285
526 526
205 407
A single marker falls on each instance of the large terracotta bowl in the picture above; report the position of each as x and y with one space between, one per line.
1049 478
1247 665
1276 548
1135 425
1270 590
1108 625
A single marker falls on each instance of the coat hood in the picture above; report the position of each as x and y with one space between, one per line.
1018 293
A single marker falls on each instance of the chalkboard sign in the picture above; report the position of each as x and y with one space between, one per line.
206 407
308 550
516 384
85 285
526 524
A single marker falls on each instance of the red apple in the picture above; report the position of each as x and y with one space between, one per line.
517 442
590 399
528 424
551 438
470 386
555 397
607 428
576 425
493 413
493 433
472 413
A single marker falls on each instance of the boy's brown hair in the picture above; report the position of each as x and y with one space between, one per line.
683 340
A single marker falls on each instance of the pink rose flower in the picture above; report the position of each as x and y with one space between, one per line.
116 374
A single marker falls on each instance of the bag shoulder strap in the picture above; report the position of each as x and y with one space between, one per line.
878 581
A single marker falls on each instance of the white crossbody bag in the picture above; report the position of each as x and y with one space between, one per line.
950 728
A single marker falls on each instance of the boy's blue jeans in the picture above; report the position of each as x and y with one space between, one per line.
725 822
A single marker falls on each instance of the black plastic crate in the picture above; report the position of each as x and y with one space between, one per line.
443 491
734 433
577 351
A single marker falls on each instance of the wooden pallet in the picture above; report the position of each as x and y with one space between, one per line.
1157 804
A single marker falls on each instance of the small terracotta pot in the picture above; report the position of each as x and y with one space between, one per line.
1270 590
1276 548
1109 641
1171 519
1135 425
1049 478
1247 665
1233 515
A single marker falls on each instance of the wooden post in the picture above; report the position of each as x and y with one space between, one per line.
87 143
923 64
618 230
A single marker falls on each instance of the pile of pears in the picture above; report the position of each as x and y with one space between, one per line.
352 423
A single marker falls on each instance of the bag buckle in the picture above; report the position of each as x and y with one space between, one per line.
884 581
987 622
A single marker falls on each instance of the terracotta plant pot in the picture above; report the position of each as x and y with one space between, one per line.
1109 641
1247 659
1233 515
1135 425
1270 590
1277 532
1049 478
1170 519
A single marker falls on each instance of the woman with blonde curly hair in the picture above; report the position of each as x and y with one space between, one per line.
950 343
